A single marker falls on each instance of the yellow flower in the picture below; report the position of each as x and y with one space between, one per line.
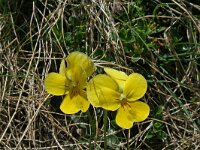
117 91
71 81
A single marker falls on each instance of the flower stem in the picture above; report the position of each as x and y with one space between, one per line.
104 127
90 122
128 137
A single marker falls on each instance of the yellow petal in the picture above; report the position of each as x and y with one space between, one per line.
103 80
83 104
80 77
131 112
102 91
138 110
122 119
74 105
109 99
135 87
62 68
119 76
77 77
55 84
78 59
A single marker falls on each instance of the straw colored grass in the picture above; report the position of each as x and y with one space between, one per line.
33 42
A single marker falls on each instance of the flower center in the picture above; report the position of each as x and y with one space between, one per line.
123 100
74 91
122 97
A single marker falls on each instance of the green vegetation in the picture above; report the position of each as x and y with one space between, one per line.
158 39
